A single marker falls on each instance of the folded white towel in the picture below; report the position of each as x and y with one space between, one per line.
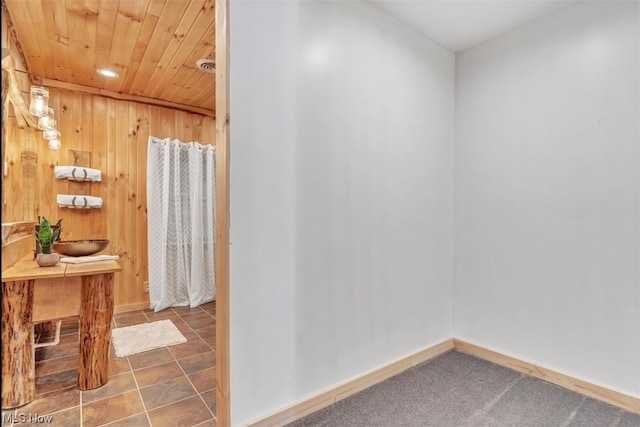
77 173
90 258
79 201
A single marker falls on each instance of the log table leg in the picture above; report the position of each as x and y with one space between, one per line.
96 314
18 354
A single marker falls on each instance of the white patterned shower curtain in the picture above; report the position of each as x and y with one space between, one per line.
181 223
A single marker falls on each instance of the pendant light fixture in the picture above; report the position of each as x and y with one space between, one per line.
47 122
55 144
39 101
39 107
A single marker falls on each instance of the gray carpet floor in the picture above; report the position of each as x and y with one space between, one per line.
455 389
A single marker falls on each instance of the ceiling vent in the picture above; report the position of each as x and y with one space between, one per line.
207 65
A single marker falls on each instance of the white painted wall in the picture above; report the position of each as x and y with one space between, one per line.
342 127
547 193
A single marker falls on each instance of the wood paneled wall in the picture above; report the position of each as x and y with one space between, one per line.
114 134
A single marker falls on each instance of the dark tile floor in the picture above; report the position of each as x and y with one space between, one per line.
170 386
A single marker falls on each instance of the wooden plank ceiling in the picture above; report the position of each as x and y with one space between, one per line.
152 44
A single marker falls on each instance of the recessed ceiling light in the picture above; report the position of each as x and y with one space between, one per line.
108 73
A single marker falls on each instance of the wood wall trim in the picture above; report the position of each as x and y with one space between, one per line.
322 400
49 83
126 308
222 213
595 391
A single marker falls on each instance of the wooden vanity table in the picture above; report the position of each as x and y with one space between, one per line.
33 294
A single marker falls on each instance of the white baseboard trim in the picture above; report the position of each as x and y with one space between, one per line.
625 401
321 400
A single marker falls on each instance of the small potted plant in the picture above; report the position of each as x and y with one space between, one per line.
46 235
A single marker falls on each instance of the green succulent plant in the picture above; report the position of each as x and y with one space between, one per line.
46 235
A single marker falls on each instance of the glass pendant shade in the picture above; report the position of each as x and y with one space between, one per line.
55 144
47 122
39 101
51 134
